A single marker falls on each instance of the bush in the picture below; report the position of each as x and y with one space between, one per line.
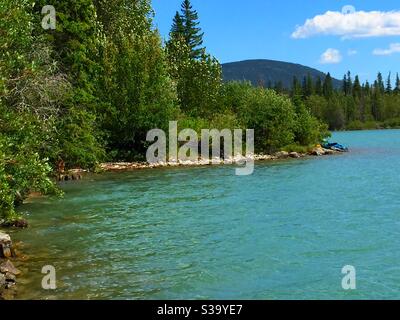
308 130
392 123
270 115
367 125
78 140
22 169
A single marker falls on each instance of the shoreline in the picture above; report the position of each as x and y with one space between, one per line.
8 273
282 155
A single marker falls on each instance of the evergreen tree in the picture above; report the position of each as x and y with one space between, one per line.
304 87
376 104
327 87
344 85
308 86
278 87
397 88
191 31
379 84
296 86
357 90
367 89
296 91
389 84
177 29
349 84
318 87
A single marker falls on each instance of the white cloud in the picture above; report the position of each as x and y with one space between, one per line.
351 24
331 56
393 48
352 52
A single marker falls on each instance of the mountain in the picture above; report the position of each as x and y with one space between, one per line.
270 71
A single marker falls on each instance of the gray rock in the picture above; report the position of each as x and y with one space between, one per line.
2 281
5 245
318 152
294 155
282 155
5 238
8 267
329 151
10 277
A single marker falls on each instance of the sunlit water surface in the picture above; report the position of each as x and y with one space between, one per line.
284 232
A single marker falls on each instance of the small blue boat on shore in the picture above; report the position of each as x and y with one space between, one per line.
335 146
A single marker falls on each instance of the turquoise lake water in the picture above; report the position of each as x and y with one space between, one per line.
284 232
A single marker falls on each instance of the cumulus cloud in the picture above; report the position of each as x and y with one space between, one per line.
331 56
351 24
393 48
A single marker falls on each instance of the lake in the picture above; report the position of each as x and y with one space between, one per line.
284 232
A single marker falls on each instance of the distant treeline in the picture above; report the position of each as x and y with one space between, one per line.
354 106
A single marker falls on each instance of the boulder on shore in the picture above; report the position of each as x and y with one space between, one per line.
8 268
294 155
282 155
5 245
8 273
318 151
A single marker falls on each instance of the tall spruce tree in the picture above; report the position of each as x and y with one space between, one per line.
327 87
397 88
349 84
309 86
177 29
367 88
318 86
344 85
357 90
379 83
389 84
188 24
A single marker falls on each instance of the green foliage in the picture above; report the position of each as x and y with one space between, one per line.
274 118
15 28
136 92
78 142
197 75
22 168
198 81
308 130
359 125
271 116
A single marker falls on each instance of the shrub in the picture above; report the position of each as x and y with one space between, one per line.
22 169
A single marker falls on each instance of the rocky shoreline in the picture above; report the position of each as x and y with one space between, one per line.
282 155
8 273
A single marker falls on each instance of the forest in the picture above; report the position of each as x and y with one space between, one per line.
353 106
90 90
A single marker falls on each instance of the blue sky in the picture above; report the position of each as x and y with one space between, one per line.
364 41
